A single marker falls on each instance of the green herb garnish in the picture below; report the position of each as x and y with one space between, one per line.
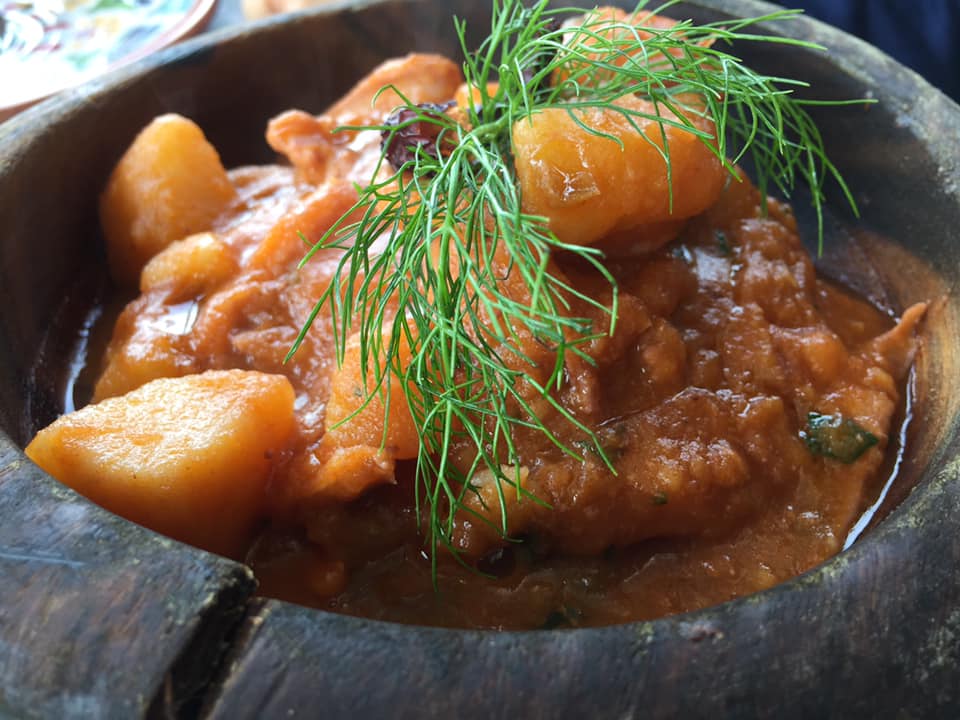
836 437
459 272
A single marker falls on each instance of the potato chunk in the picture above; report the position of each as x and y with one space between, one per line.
169 184
589 186
188 457
193 266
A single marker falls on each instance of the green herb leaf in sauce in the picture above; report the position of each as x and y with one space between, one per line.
398 252
836 437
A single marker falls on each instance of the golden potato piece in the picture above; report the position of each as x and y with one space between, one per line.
589 187
143 358
188 457
169 184
150 340
607 26
467 95
193 266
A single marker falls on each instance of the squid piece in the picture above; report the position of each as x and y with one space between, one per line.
319 153
368 428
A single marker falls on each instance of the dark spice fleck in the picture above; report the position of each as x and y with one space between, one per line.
409 128
499 563
543 59
565 616
836 437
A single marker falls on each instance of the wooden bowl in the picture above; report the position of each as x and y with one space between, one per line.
100 618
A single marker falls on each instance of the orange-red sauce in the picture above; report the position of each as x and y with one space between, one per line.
725 343
728 378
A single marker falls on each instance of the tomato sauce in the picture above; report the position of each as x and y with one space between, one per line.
743 407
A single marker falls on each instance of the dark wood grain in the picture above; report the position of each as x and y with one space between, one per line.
866 636
94 611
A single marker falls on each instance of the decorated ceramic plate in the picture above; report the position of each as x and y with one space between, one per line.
49 45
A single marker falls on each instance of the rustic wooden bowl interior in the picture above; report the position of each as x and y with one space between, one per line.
102 618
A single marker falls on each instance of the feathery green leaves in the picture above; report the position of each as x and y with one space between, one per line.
444 261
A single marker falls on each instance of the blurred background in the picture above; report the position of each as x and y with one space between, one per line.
922 34
48 45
